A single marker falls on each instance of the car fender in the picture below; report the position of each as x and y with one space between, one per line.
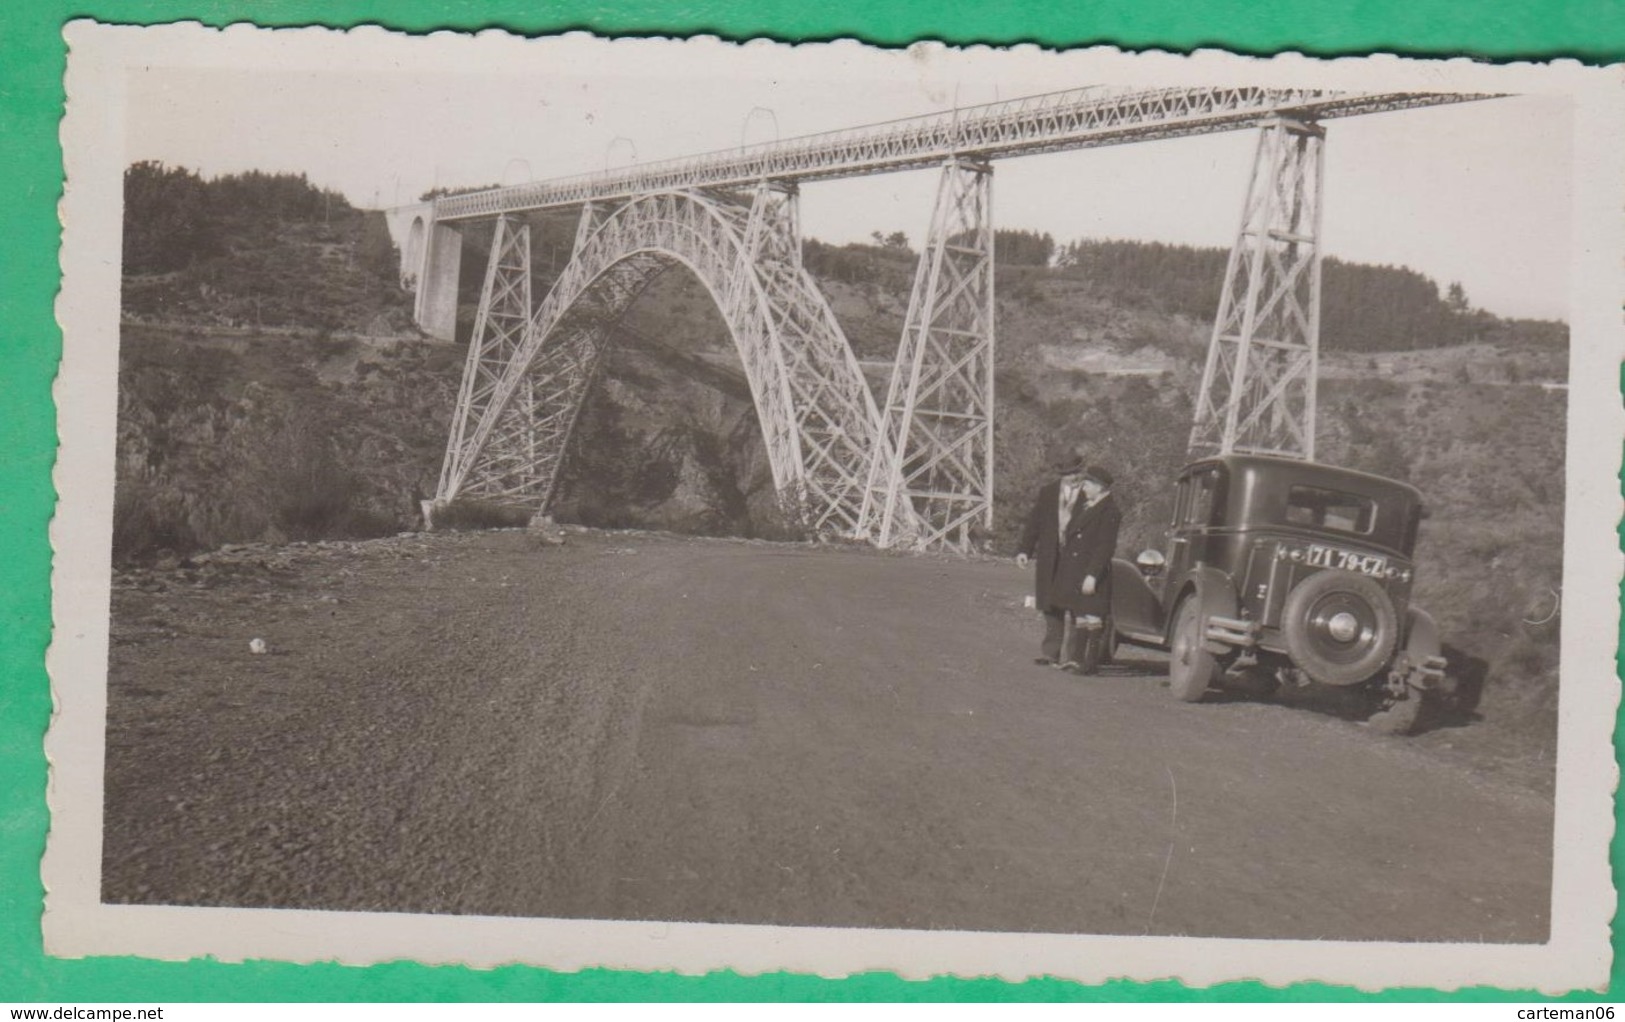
1421 635
1216 594
1421 662
1137 610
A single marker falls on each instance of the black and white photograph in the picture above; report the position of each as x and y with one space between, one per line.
675 504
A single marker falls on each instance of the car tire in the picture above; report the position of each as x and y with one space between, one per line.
1314 648
1191 668
1398 716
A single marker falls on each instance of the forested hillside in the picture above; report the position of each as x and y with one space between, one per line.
255 250
1363 307
271 385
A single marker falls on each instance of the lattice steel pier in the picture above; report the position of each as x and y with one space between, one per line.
1258 384
936 458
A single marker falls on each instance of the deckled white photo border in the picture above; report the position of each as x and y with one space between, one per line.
76 924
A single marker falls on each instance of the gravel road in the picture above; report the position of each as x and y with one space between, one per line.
640 726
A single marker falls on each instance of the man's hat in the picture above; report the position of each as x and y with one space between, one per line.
1071 464
1099 475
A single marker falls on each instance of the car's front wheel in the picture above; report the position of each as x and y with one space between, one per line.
1191 668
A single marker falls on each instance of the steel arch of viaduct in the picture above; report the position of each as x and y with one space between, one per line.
817 415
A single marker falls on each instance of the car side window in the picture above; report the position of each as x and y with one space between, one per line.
1199 505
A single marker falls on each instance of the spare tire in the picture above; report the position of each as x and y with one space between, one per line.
1340 628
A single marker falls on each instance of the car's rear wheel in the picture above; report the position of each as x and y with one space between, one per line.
1341 628
1191 668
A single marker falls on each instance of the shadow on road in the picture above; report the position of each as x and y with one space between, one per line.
1458 708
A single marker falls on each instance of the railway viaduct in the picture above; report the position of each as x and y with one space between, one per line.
912 466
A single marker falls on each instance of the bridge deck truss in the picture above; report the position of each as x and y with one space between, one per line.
1070 119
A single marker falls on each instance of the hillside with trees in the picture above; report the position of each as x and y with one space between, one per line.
1363 308
255 250
271 385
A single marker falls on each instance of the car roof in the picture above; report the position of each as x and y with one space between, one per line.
1312 473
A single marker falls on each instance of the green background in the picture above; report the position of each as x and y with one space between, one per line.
31 63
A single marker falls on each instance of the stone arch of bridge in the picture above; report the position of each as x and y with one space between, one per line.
818 418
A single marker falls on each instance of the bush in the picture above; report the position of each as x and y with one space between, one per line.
148 521
308 492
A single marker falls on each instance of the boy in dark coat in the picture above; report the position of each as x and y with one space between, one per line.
1070 538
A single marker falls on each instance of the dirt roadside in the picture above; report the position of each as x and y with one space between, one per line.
648 726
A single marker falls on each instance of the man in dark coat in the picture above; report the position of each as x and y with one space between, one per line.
1070 538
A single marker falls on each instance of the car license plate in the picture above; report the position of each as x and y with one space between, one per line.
1331 557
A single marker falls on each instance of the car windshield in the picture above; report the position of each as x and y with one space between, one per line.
1329 509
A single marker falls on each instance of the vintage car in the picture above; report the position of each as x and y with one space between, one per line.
1286 571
